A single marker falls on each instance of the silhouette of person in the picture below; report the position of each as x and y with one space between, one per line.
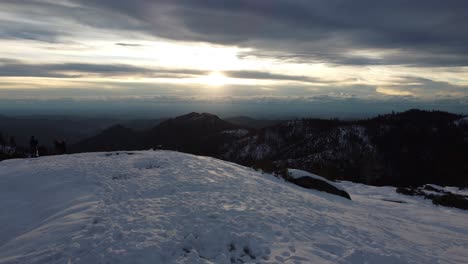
33 146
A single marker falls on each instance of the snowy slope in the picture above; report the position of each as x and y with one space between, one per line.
168 207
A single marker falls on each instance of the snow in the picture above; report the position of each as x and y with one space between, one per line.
426 192
461 121
455 190
6 149
169 207
450 189
236 132
296 174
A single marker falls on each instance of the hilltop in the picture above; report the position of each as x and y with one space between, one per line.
169 207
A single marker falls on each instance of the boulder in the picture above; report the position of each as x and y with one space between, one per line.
315 182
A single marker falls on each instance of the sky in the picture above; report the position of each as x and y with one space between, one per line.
284 57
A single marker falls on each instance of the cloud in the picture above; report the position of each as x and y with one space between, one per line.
115 76
14 68
429 32
271 76
128 44
420 33
423 87
347 36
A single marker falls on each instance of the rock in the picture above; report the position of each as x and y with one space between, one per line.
314 182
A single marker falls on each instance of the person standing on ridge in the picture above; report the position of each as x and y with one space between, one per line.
33 147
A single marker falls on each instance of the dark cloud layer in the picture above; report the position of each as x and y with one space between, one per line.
423 32
128 44
13 68
426 32
270 76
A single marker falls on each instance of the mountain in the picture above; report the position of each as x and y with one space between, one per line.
116 137
197 133
71 129
142 124
49 128
409 148
169 207
193 133
248 122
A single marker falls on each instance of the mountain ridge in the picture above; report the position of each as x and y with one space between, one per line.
385 150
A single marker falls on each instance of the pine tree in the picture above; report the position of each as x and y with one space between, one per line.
12 142
2 140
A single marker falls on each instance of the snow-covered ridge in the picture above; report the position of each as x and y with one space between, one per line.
169 207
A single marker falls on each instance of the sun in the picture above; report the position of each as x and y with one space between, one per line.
216 79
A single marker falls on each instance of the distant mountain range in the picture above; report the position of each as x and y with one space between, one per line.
409 148
192 133
248 122
70 129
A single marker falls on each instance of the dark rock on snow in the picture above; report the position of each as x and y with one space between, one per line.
311 183
314 182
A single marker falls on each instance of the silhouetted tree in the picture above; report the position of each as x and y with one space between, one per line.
42 151
60 147
12 143
2 140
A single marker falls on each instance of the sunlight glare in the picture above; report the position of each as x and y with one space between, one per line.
216 79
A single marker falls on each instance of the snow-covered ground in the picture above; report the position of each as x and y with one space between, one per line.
168 207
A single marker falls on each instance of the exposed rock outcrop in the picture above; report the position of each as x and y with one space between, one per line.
315 182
